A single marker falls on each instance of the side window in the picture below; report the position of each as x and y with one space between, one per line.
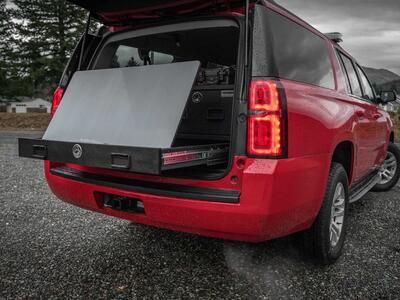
300 54
346 77
126 56
368 91
352 75
161 58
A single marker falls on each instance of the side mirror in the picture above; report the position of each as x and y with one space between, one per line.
386 97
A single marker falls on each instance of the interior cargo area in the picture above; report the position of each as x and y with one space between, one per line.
207 118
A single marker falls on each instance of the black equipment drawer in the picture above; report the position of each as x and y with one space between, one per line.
133 159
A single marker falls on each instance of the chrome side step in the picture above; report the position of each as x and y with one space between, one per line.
363 188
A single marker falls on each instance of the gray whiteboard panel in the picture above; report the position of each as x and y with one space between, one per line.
138 106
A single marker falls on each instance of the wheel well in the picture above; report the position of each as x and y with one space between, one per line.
343 155
392 137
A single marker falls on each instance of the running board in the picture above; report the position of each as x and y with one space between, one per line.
362 188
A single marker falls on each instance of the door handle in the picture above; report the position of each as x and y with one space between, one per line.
360 114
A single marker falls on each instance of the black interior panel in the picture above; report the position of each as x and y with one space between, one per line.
208 114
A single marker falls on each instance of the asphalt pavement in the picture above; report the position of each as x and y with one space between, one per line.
51 250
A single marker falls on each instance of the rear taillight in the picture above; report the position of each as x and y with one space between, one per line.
57 96
267 120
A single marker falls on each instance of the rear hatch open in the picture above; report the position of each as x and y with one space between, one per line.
111 12
124 119
151 101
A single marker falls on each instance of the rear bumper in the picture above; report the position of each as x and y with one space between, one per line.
146 187
277 198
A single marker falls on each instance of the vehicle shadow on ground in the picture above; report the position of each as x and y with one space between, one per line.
258 268
126 260
54 250
275 268
269 268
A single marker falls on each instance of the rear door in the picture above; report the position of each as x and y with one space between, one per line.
123 11
381 129
365 125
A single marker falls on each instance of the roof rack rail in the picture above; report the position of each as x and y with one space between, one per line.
337 37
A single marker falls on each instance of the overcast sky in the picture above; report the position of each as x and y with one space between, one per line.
371 28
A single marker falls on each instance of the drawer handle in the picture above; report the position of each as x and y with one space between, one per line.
39 151
120 161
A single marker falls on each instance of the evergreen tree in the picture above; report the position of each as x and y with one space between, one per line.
4 32
12 82
46 32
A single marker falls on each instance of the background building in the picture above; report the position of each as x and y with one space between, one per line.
29 106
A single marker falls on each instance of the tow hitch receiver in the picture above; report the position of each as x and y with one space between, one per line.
123 204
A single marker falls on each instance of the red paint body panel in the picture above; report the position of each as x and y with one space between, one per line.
268 208
277 196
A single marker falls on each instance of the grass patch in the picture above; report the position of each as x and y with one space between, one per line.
28 121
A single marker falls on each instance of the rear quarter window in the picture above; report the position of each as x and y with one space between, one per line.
368 92
300 54
352 76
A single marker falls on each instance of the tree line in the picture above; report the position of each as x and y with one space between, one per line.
36 40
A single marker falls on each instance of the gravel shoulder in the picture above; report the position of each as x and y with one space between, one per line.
51 250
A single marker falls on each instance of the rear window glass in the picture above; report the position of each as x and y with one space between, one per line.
300 55
216 47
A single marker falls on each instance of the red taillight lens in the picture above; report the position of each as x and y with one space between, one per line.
57 96
264 96
266 120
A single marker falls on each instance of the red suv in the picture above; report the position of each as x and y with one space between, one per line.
281 129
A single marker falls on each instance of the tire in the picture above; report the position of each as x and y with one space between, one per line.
390 170
320 240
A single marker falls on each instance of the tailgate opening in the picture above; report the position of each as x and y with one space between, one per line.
200 146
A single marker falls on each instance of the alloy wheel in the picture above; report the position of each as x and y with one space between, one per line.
337 214
388 169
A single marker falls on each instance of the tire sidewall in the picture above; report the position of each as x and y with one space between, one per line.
336 251
387 186
330 254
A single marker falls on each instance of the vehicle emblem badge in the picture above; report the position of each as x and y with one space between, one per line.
77 151
197 97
